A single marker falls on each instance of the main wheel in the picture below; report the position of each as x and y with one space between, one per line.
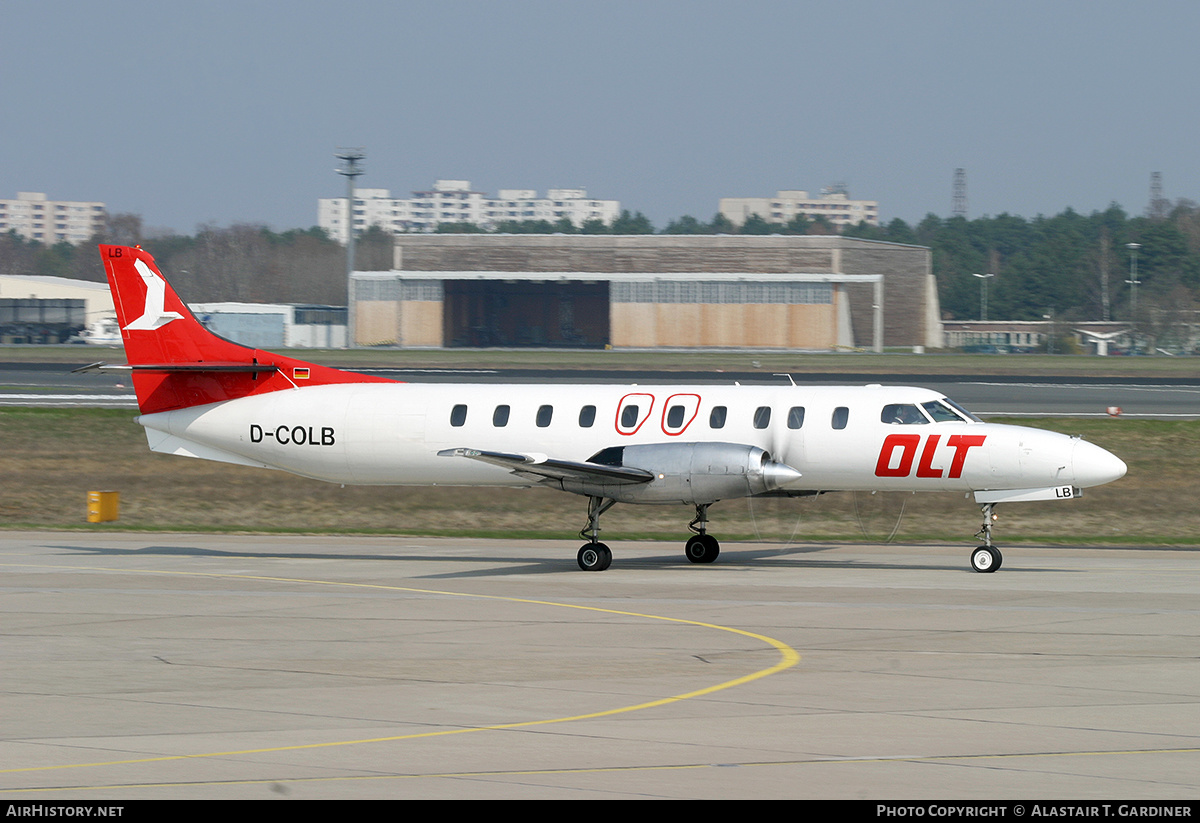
702 548
594 557
986 559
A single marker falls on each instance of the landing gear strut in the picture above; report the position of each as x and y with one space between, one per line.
701 547
987 558
594 556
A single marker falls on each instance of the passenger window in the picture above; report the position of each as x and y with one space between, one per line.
544 415
841 415
633 411
458 415
675 416
716 418
500 416
762 417
795 417
587 416
902 414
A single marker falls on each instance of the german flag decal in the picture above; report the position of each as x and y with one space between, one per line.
300 373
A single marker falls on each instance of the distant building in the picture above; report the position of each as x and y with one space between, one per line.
453 201
649 291
834 204
34 217
41 309
275 325
1017 336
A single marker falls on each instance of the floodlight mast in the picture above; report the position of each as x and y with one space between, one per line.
983 278
1133 284
351 168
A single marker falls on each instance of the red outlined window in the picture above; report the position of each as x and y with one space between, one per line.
633 410
678 413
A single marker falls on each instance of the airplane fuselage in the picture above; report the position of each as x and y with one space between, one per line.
837 438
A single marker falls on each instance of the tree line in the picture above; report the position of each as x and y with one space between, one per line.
1070 266
239 263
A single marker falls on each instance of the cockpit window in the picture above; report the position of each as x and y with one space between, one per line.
966 414
903 414
941 413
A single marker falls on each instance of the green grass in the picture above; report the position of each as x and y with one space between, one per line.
51 458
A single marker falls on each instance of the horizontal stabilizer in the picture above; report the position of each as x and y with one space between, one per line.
190 368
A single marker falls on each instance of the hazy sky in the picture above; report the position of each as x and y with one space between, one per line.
227 112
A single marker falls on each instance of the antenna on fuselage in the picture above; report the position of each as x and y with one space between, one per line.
788 376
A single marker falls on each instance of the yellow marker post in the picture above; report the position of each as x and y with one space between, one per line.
102 506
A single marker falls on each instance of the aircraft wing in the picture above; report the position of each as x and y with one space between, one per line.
541 467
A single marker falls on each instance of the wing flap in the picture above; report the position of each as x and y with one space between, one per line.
541 466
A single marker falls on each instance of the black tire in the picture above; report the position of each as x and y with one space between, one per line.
986 559
702 548
594 557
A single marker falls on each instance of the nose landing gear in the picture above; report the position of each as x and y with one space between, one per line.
987 558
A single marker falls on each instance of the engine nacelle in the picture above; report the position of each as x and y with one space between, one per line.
688 473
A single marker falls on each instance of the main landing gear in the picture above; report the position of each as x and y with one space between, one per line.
987 558
701 547
594 556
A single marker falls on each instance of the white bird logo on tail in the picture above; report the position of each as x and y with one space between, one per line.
153 317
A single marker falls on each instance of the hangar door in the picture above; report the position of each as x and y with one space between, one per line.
481 313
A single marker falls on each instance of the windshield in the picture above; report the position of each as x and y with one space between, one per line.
947 410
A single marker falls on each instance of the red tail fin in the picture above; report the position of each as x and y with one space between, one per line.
177 362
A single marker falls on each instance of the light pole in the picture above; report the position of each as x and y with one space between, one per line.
1133 284
983 278
350 169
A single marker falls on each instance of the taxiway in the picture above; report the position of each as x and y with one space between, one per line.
203 666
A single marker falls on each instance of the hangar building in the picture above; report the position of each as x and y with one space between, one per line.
44 309
649 291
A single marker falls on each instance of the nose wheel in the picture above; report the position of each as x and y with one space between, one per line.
987 558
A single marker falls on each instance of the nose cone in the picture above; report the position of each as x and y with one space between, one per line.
1093 466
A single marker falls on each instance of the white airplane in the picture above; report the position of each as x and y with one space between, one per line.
203 396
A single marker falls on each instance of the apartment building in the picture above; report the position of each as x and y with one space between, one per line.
34 217
454 201
833 203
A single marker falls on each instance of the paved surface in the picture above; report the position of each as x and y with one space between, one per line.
37 384
169 666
